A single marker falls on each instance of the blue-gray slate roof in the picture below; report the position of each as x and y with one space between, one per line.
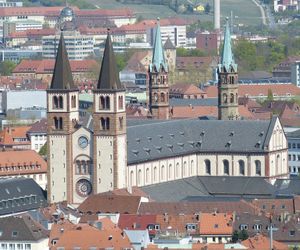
155 140
20 195
200 187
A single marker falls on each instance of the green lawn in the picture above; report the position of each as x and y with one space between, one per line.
244 11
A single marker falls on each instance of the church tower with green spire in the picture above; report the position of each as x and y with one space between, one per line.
228 82
158 81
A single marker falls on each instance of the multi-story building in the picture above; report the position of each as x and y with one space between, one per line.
8 4
24 163
78 46
282 5
37 135
107 152
294 152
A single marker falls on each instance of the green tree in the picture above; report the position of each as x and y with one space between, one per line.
43 150
243 235
235 236
270 95
7 67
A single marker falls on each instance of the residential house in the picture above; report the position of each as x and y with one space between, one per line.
12 138
186 91
37 134
24 163
261 242
294 152
18 195
215 228
22 232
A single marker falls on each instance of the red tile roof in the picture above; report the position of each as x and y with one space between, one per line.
215 224
259 90
21 162
8 135
261 242
39 127
135 222
47 66
185 89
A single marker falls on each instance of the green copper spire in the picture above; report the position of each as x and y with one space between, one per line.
158 58
227 55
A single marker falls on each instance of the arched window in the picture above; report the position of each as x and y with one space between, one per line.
83 167
120 102
131 178
139 179
55 102
55 120
184 169
155 174
78 168
60 102
102 123
231 79
107 102
60 123
73 101
242 167
162 172
226 167
192 167
207 167
225 98
170 171
231 98
155 97
162 97
102 103
258 167
121 122
147 175
177 170
107 123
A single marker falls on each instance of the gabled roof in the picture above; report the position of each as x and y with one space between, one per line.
21 229
158 58
168 44
20 188
109 77
194 188
215 224
38 127
110 204
261 242
62 76
150 141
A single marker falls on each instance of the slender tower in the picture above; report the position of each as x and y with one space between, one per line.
62 116
228 82
109 119
217 14
158 81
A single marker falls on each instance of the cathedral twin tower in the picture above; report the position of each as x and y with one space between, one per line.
90 158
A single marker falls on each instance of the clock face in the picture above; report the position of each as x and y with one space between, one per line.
83 142
83 187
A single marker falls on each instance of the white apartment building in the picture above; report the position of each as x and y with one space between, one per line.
294 152
176 33
78 46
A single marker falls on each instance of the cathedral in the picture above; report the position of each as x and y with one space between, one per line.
108 152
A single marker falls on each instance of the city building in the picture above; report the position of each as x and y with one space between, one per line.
37 135
22 232
14 138
24 163
282 5
294 152
20 195
8 4
79 46
207 41
157 150
43 69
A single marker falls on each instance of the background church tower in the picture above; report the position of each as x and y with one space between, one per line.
109 119
62 116
158 81
228 82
